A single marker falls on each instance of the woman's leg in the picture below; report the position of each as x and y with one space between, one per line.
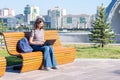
46 54
53 60
47 59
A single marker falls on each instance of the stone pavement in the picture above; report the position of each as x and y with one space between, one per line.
80 69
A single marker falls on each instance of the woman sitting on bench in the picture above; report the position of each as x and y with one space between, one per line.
37 43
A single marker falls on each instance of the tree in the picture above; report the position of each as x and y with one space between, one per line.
101 33
2 27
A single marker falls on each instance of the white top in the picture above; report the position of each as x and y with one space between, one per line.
38 35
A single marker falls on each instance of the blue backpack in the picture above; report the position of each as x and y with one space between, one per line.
24 46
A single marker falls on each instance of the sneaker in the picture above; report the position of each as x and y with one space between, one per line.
48 69
55 67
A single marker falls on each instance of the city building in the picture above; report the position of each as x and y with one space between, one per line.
31 13
81 21
92 19
6 12
21 18
55 17
9 21
58 19
47 20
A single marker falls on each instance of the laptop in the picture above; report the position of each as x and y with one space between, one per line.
50 42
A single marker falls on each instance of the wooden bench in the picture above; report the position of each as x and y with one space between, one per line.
2 66
34 60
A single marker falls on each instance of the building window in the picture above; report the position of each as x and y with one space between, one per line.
57 13
34 10
82 20
69 19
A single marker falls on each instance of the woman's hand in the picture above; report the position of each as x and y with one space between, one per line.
41 43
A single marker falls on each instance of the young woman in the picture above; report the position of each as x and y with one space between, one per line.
37 43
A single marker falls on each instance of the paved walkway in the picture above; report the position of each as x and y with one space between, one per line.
80 69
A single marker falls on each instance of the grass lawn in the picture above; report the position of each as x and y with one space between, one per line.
11 60
83 51
87 51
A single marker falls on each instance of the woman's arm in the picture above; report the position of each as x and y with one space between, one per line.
35 42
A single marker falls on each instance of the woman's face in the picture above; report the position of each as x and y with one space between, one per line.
41 24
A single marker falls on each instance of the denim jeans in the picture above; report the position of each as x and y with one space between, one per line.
48 54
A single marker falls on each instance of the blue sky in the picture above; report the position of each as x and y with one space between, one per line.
72 6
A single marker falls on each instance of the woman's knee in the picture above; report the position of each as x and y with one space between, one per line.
46 48
50 47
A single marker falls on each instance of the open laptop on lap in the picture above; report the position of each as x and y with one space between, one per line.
50 42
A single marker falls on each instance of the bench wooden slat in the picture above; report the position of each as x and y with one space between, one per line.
63 55
2 66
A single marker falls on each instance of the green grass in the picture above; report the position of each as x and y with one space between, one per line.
11 60
83 51
87 51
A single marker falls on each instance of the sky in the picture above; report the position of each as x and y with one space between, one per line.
72 6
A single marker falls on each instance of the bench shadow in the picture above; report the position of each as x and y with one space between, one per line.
13 64
14 69
117 72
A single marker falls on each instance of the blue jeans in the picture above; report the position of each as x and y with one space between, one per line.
48 54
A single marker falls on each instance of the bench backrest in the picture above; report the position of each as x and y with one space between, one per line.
12 38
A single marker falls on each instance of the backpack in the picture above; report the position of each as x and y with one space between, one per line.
24 46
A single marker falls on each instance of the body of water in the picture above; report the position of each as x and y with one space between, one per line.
74 37
80 37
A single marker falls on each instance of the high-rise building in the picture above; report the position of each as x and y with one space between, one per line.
6 12
31 13
55 16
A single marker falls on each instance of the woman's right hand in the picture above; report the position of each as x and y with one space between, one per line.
35 42
41 43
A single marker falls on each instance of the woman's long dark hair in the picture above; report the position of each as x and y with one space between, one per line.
37 22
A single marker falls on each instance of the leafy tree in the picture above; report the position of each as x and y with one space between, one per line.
101 33
20 28
2 27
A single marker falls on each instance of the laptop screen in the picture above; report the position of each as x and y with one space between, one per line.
50 41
